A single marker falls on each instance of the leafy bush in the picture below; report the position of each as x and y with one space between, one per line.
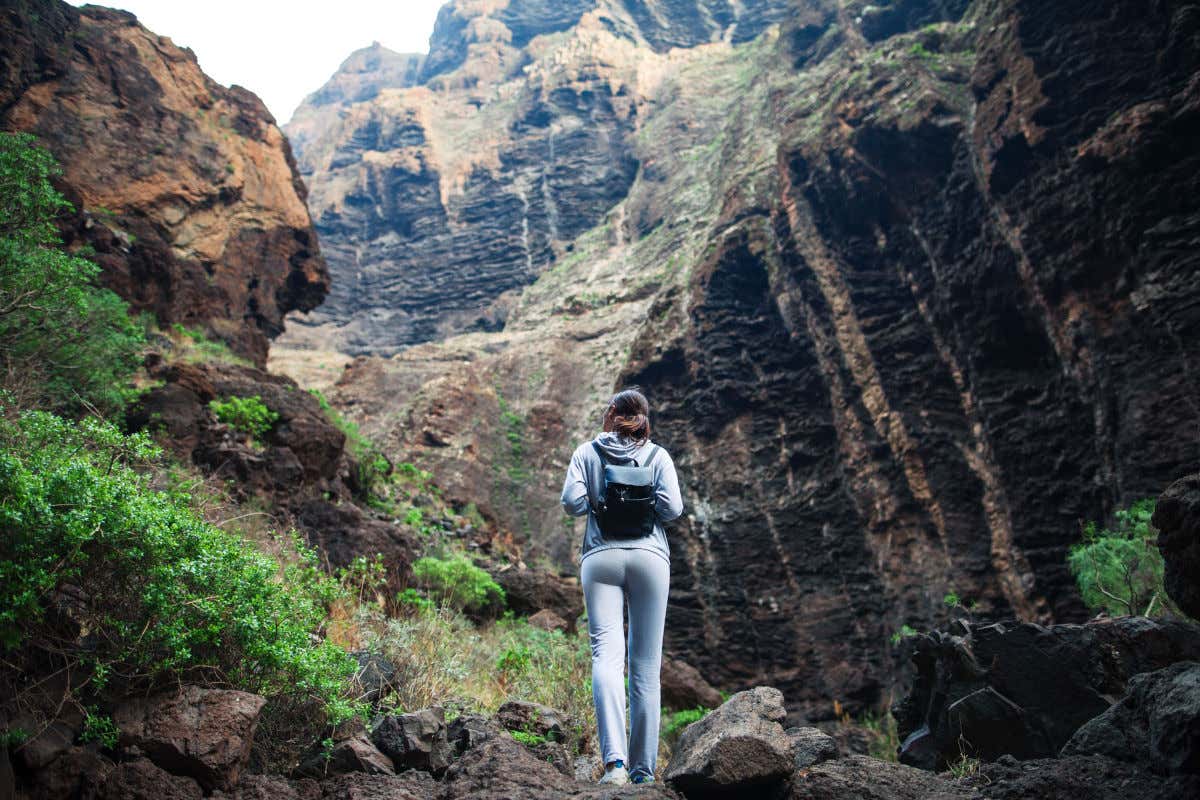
163 594
1119 569
528 738
65 343
411 599
246 414
458 583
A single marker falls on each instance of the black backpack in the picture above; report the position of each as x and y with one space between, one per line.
626 506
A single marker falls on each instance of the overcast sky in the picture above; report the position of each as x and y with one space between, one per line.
279 49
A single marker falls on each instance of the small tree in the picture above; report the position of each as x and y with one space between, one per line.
1119 569
65 343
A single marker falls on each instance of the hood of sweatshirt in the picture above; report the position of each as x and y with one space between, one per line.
619 448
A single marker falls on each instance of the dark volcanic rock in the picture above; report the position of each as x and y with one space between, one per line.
142 780
682 686
1177 517
414 741
528 591
535 718
352 754
272 787
1077 778
76 772
185 189
1024 690
1156 725
204 734
866 778
811 746
741 746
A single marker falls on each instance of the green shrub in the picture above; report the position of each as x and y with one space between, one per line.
65 343
458 583
1119 569
246 414
164 594
514 661
99 728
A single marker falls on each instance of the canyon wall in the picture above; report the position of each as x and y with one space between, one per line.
910 287
186 190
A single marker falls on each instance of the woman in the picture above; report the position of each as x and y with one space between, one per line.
616 568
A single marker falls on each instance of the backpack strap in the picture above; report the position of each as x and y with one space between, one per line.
653 453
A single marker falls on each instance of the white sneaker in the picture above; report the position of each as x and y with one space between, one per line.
615 776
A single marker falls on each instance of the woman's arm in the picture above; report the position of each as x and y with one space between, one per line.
574 491
666 489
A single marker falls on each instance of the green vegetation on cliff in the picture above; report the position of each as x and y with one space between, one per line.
1119 569
65 343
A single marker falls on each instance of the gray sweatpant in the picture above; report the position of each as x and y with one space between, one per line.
610 577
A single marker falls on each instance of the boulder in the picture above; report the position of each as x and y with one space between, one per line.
528 591
352 754
859 777
76 772
1156 725
375 676
739 747
204 734
547 620
1177 517
684 687
415 741
1024 689
811 746
520 715
1077 778
143 780
470 730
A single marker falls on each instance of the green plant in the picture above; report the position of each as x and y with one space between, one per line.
99 728
372 468
675 721
164 593
1119 569
884 742
528 739
13 737
514 661
246 414
919 50
410 598
458 582
905 632
65 343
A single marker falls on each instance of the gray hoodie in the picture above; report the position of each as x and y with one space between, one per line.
585 474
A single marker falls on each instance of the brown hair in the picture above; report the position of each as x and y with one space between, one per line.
628 414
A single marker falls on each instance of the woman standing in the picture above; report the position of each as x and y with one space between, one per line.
627 486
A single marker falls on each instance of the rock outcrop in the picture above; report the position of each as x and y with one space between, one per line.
1156 725
909 286
203 734
1025 690
740 746
186 190
1177 518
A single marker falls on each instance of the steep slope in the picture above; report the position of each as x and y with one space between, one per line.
187 190
436 202
909 303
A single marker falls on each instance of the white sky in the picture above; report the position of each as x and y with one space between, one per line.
283 50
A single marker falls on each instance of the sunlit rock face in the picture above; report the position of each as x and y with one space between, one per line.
186 189
910 287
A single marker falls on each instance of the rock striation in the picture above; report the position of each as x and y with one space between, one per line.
186 190
909 285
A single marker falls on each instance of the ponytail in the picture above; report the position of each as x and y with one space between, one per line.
628 415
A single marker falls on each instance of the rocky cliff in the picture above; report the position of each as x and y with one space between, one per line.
186 189
909 286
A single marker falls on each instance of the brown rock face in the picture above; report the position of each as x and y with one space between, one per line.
909 301
204 734
186 190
